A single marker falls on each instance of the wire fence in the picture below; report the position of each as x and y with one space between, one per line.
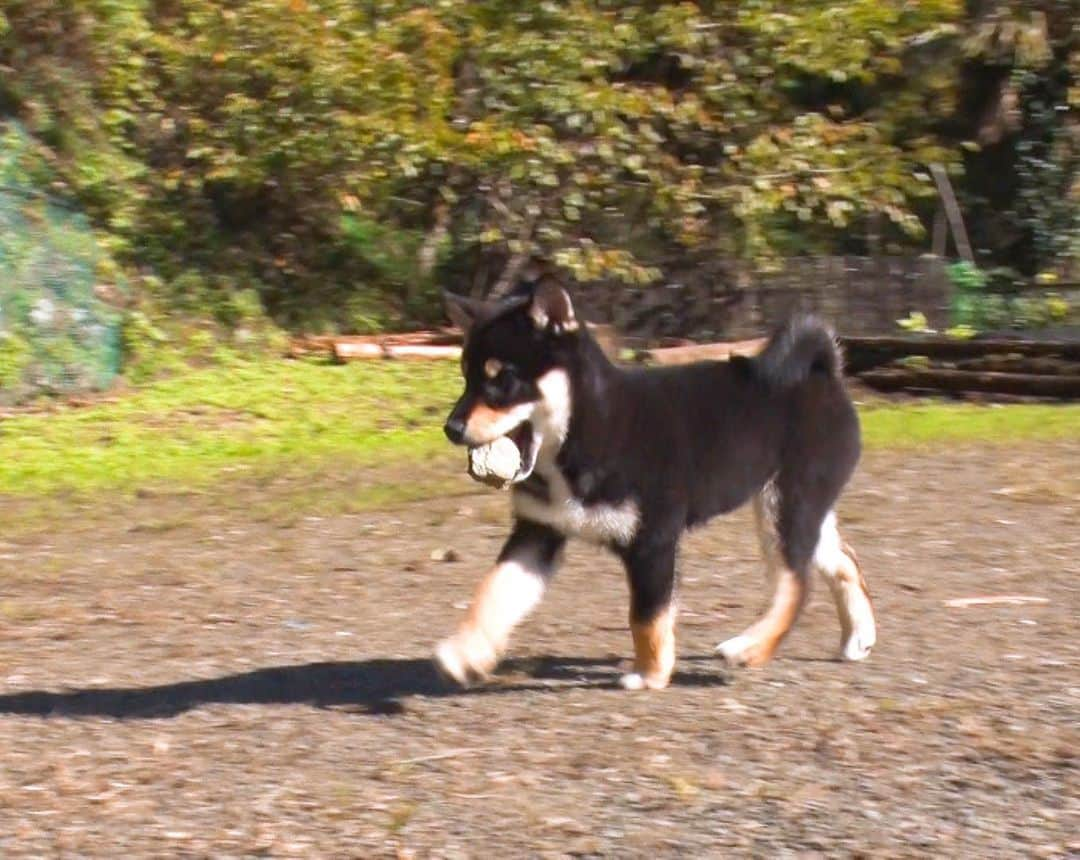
57 333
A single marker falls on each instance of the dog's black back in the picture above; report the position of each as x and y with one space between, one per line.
688 443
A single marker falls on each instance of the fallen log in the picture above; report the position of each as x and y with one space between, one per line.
703 351
422 351
1038 365
345 350
866 353
300 347
437 337
351 350
958 381
444 344
344 347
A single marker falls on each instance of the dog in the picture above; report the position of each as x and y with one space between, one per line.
630 458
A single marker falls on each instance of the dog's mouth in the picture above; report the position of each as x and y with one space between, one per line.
527 440
508 459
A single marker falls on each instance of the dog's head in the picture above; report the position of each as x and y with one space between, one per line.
515 365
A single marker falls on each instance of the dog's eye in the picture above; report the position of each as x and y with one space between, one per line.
500 389
498 372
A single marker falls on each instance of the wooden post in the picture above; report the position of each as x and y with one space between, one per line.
952 211
940 235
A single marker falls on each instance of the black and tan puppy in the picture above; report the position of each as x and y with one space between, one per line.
632 458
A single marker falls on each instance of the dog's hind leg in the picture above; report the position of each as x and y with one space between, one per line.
796 524
837 563
511 591
756 645
651 573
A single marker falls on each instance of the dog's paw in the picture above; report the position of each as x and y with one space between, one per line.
466 657
637 681
743 650
858 645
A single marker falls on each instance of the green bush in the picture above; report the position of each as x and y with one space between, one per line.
342 160
993 300
15 358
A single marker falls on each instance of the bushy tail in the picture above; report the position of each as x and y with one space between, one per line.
802 347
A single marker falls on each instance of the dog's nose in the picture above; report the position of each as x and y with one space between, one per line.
454 429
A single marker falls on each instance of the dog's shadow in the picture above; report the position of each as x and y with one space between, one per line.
377 687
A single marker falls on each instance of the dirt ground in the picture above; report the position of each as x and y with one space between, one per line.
201 682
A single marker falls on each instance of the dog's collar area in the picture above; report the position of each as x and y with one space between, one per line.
535 485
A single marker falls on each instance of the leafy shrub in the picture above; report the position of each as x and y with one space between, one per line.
341 160
15 357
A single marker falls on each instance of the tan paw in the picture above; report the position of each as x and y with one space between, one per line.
743 650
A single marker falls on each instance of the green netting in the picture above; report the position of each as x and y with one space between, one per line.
56 333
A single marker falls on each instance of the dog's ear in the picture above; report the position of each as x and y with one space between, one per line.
552 309
463 311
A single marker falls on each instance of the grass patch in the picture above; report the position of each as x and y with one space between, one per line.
297 420
930 423
268 418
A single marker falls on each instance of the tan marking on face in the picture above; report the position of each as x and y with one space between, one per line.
486 424
492 368
483 418
654 649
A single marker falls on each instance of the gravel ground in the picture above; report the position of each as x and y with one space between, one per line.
191 680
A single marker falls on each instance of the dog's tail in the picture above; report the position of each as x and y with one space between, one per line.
803 347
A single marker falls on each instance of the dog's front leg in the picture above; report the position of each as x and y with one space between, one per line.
511 591
651 573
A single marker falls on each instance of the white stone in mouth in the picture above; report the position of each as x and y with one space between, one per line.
507 460
496 463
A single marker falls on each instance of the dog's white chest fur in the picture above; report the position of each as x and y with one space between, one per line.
598 523
561 509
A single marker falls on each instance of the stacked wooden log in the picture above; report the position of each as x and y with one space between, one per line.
440 343
1017 368
443 343
1025 368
